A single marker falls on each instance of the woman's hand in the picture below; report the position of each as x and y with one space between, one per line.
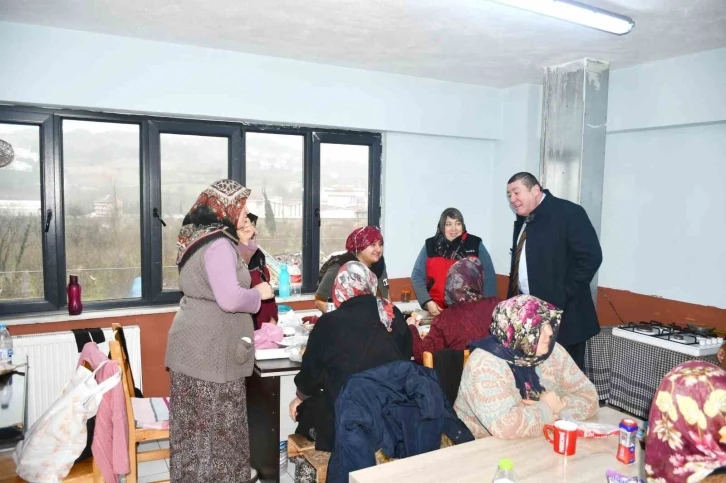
266 292
433 308
554 401
412 321
293 408
720 355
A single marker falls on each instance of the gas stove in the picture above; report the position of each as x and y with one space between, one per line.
692 340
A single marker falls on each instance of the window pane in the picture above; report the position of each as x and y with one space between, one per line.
21 251
275 176
102 212
343 194
189 165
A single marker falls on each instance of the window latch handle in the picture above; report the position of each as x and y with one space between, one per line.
48 217
156 214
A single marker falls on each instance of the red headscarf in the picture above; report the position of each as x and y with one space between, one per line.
226 198
361 238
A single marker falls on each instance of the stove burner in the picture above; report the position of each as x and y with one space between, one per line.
647 330
702 331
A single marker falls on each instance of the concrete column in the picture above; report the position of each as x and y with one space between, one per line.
574 117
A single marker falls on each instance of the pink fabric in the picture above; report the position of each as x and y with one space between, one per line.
220 261
111 437
267 335
151 412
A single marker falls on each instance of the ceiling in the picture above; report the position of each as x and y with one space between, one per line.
468 41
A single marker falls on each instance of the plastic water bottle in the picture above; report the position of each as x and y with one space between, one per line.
284 278
6 393
295 280
505 472
6 345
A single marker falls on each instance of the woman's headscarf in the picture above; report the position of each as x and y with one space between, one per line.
355 279
687 424
361 238
451 249
215 213
464 282
515 332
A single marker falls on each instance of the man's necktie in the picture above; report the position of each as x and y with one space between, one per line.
514 277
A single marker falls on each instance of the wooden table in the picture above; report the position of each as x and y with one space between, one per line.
534 461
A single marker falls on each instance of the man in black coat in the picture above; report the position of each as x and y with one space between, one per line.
555 255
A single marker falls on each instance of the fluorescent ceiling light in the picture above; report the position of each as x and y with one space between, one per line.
577 13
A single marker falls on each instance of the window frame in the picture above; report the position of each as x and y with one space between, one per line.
151 126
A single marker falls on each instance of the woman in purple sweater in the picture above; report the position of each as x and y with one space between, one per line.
210 350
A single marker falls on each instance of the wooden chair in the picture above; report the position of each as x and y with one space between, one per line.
80 473
136 435
428 358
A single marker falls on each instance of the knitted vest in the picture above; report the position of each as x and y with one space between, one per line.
204 341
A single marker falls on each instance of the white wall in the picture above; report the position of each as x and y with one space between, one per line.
663 221
673 92
518 150
663 213
430 174
50 66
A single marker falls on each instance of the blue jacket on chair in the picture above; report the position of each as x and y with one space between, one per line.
398 407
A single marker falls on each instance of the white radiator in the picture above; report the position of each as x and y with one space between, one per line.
52 359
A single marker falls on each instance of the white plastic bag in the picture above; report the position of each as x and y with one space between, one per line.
58 437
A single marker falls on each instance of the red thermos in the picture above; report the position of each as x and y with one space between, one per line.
75 306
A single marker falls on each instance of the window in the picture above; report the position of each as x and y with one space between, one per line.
127 181
189 164
21 250
102 211
275 175
343 194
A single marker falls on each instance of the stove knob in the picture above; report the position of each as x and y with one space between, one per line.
702 342
719 340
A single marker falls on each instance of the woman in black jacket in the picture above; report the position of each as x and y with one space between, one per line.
362 333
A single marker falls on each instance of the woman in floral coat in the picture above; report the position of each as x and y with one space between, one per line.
687 426
519 379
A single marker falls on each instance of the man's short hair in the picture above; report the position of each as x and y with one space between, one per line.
526 178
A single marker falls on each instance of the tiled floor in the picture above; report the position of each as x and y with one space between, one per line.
153 470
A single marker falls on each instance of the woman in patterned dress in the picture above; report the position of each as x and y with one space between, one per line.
519 379
210 351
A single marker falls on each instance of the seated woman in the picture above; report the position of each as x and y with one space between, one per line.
519 379
363 245
469 314
450 243
363 332
686 439
257 266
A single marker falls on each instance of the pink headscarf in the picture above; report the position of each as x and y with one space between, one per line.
687 425
355 279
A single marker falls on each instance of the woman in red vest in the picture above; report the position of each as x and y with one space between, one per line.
450 243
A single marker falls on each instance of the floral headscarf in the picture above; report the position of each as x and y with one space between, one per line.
355 279
464 282
216 212
687 425
515 331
